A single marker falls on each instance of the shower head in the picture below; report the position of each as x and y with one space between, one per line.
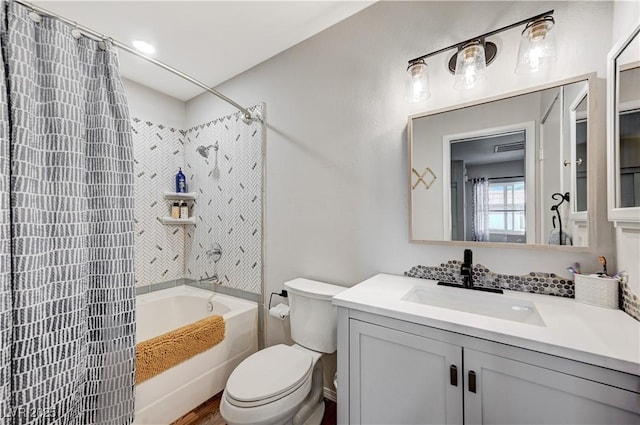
204 150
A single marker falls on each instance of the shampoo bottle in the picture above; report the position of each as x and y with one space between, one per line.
175 210
184 210
181 182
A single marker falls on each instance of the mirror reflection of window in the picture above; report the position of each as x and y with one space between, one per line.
506 208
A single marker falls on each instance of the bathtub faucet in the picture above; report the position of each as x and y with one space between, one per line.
213 279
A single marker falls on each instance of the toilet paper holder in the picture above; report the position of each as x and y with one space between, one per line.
282 294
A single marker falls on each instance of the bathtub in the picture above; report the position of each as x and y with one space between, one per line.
169 395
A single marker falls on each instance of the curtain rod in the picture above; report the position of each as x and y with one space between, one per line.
126 48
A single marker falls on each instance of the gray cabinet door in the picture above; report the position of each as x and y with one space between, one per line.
512 392
400 378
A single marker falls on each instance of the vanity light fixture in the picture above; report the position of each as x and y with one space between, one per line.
469 63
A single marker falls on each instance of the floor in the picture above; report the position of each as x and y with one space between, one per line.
208 413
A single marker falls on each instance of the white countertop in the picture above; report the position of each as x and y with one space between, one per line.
594 335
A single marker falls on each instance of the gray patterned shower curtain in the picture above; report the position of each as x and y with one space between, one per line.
66 236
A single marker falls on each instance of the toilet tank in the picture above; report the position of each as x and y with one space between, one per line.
314 320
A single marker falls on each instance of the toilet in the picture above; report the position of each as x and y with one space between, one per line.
284 384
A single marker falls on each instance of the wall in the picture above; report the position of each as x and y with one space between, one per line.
228 208
158 249
336 155
150 105
228 186
157 150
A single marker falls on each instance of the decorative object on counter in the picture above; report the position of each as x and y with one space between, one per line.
603 262
181 182
559 237
421 177
597 289
534 282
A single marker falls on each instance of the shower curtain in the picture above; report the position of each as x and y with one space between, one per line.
480 209
66 242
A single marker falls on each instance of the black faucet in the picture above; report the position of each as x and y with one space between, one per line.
466 270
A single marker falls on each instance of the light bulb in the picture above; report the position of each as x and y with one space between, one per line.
470 66
537 45
419 81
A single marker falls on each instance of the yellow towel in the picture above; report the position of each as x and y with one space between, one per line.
158 354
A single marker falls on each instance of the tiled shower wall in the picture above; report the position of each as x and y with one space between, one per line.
228 208
159 250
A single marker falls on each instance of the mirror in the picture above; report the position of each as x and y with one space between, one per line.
578 144
626 143
512 170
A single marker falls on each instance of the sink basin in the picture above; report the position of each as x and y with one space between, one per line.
485 304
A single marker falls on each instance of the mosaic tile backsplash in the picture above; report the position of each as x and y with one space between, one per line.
534 282
228 208
629 302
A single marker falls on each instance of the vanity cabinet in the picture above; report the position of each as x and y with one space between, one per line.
396 372
400 378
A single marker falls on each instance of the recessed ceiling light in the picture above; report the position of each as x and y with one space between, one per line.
144 47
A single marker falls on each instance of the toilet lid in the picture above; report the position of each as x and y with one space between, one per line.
269 373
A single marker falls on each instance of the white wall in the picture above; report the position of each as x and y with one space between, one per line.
150 105
336 156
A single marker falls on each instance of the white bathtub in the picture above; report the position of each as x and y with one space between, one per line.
169 395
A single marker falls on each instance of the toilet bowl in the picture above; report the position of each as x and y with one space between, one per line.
284 384
272 386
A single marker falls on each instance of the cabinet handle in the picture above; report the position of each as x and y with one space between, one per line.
472 381
453 375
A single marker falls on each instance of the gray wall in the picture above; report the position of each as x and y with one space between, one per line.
336 157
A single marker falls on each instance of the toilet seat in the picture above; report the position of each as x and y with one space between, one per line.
269 375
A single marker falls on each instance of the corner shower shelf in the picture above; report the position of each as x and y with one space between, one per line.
189 196
177 221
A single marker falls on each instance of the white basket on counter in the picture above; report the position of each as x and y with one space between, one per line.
593 289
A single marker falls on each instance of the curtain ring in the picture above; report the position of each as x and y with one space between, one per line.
35 17
75 32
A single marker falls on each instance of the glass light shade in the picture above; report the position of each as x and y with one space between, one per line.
419 82
470 66
537 46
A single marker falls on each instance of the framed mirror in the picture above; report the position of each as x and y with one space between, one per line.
510 171
623 129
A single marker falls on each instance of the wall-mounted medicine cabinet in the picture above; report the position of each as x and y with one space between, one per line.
623 131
